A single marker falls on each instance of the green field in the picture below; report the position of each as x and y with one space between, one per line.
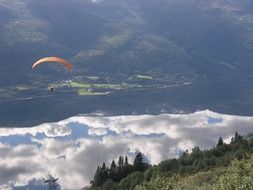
140 78
84 92
94 89
103 86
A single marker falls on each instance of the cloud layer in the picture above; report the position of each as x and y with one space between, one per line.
71 149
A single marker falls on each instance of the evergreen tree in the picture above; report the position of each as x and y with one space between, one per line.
139 165
103 167
138 159
120 162
126 167
104 173
126 162
98 179
237 138
113 166
113 171
220 142
120 174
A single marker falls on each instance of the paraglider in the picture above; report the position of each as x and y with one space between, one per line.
58 60
67 64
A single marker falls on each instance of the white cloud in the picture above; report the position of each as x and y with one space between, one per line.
97 132
97 1
74 159
49 130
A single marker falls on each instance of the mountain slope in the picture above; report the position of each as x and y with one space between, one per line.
175 55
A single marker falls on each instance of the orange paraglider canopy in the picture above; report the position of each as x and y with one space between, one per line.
67 64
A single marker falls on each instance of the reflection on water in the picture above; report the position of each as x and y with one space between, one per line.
72 148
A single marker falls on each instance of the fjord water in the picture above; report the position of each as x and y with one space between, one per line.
142 72
178 55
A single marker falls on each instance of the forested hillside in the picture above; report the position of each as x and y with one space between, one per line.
224 167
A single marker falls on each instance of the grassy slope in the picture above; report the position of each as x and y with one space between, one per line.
238 176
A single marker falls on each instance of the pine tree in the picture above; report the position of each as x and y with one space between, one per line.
113 166
237 138
113 171
104 172
220 142
126 162
126 167
139 165
120 162
138 159
98 179
119 173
